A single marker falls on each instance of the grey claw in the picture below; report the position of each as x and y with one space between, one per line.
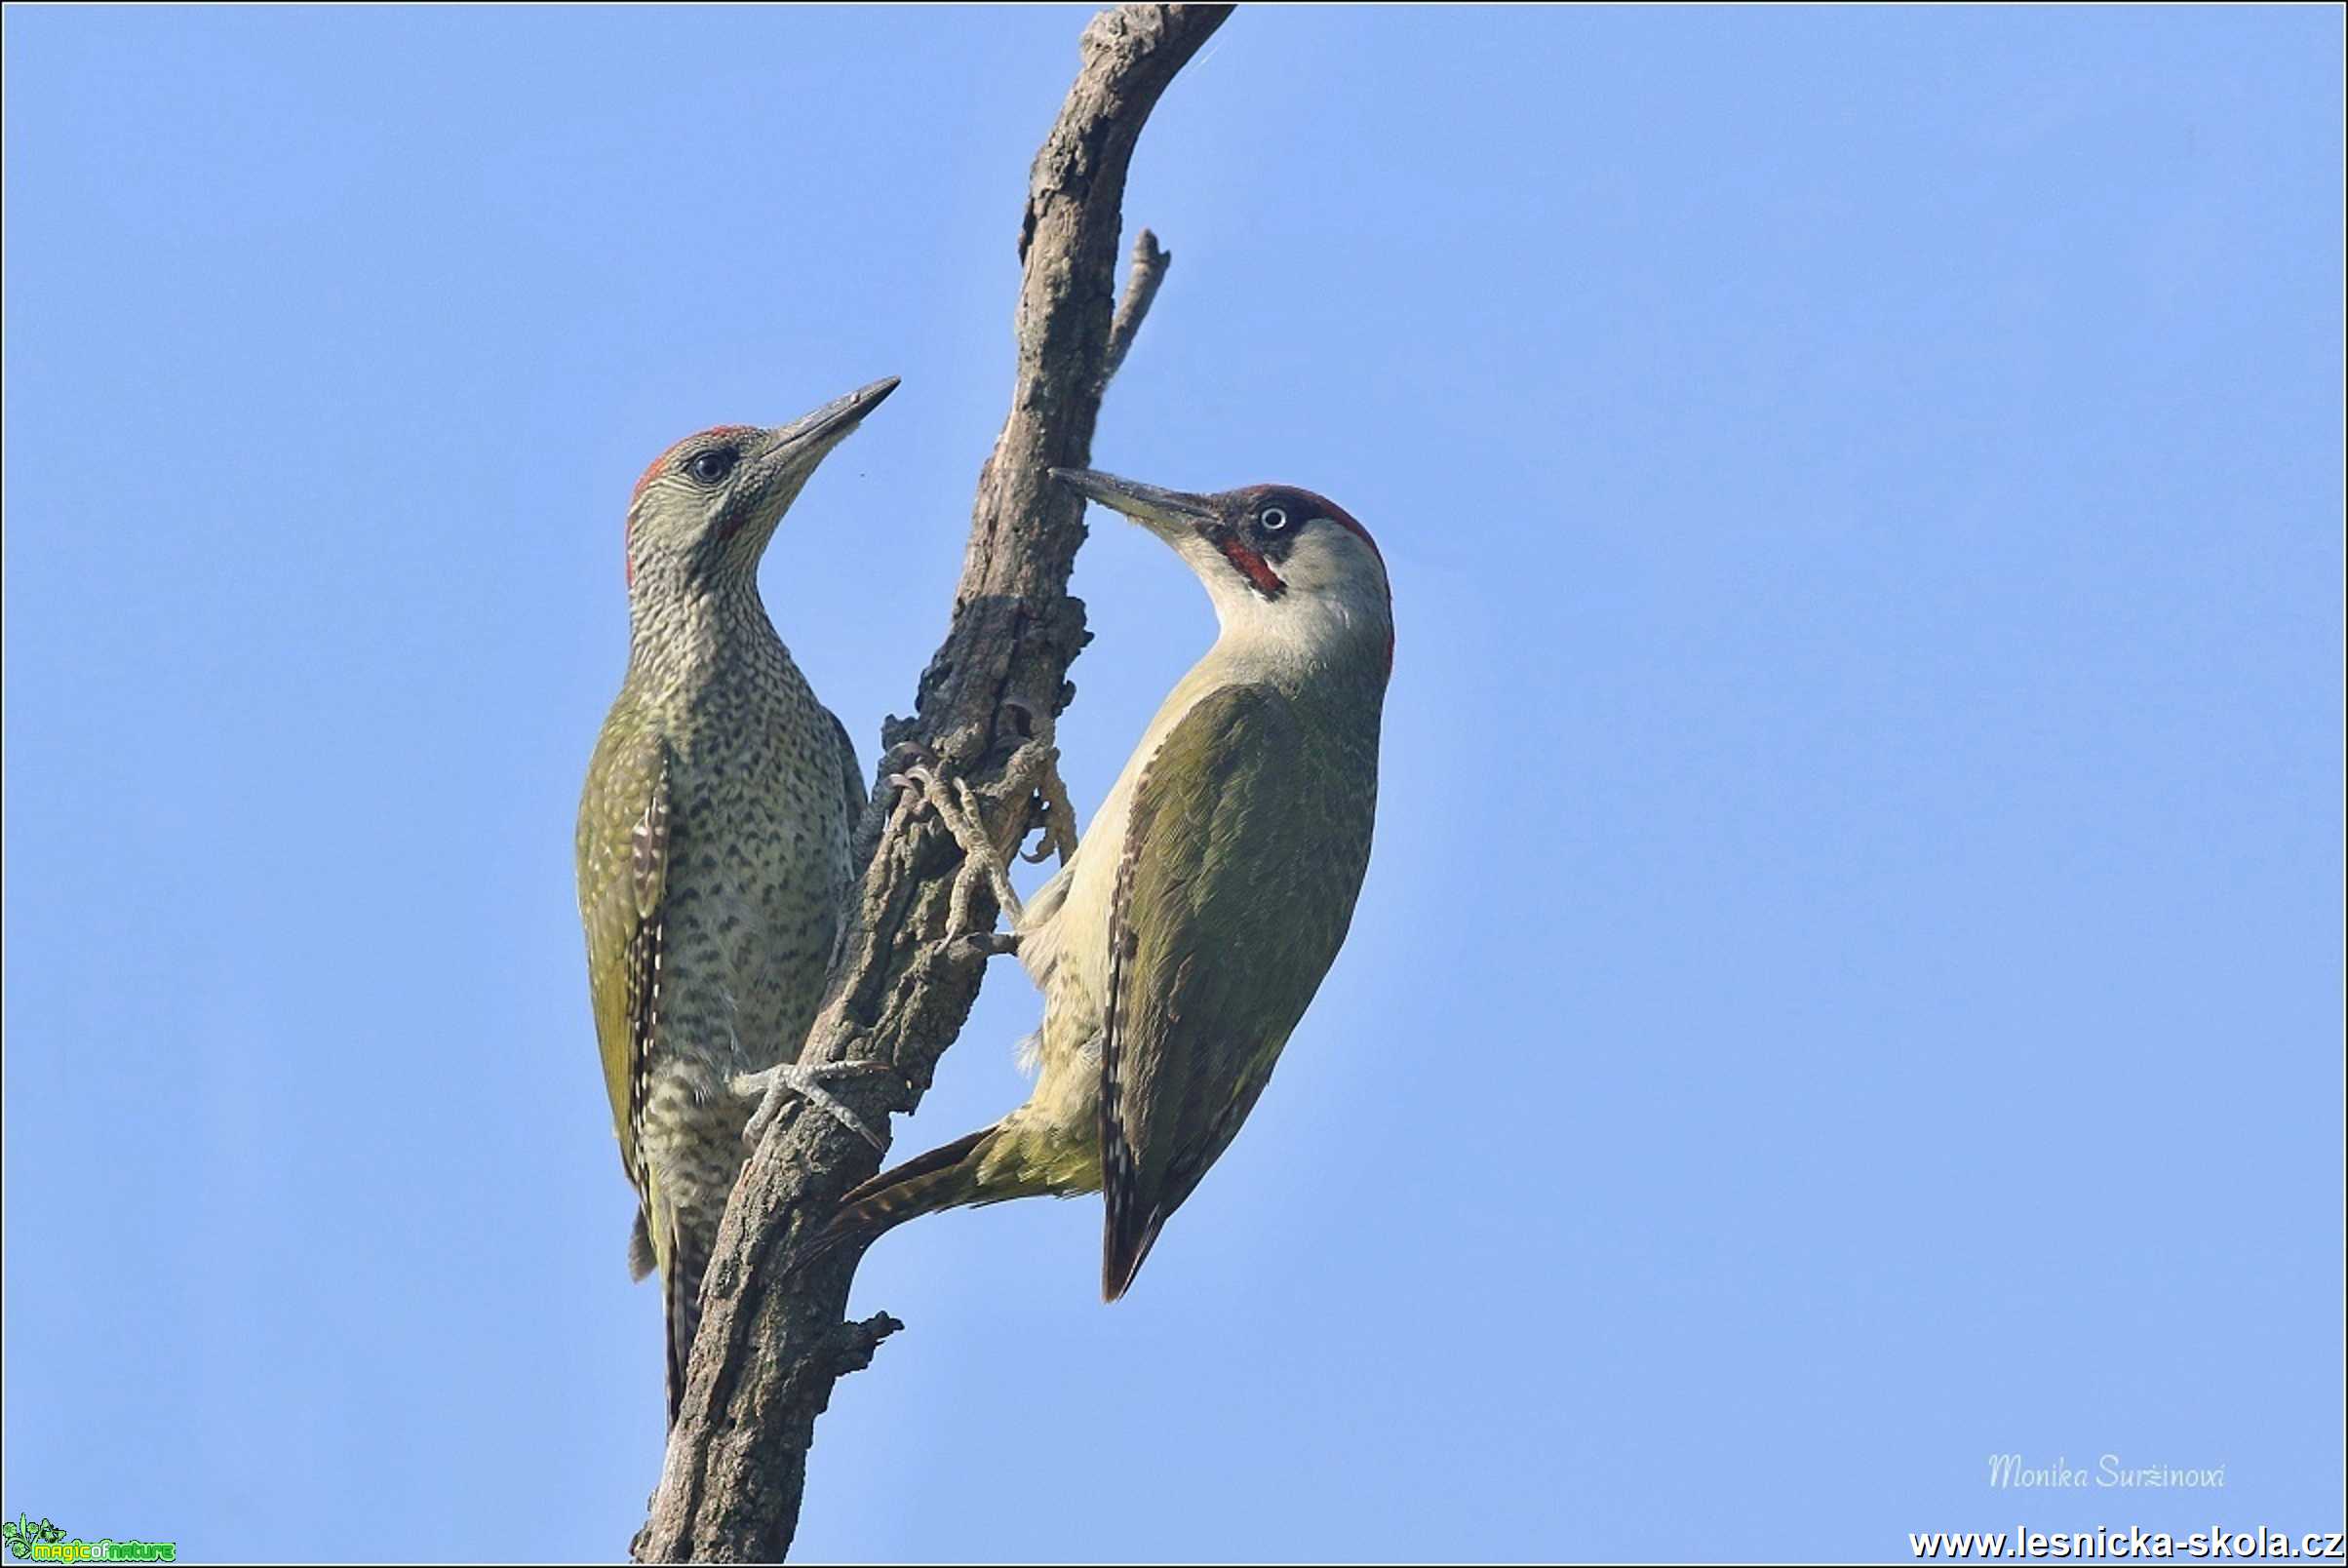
808 1084
984 945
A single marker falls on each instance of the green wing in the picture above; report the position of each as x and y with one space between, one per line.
623 862
1241 862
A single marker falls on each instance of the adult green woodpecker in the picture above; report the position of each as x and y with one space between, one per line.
1181 944
712 842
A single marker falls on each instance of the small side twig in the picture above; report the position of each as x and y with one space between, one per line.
1148 270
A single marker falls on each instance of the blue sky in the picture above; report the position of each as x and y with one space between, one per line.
1851 978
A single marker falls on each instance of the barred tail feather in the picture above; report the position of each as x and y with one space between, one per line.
991 1166
680 1297
943 1178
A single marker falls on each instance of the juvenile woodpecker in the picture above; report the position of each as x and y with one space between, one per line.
713 841
1179 945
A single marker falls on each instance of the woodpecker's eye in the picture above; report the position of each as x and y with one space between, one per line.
711 465
1272 520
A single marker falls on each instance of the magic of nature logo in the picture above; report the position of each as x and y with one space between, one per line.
41 1541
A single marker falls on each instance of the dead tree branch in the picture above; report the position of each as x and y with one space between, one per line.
771 1346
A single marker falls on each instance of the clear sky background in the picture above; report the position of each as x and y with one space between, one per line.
1851 978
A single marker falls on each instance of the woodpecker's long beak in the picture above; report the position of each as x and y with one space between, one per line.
803 442
1174 516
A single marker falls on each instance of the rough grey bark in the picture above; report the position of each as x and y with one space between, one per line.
903 979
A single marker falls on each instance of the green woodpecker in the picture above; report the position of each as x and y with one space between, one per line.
1182 942
712 842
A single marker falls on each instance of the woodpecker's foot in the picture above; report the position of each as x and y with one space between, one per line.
957 806
1048 810
773 1088
977 947
1035 772
903 755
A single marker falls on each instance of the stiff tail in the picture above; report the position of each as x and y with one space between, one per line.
946 1177
680 1297
942 1178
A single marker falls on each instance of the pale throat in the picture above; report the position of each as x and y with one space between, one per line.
1298 634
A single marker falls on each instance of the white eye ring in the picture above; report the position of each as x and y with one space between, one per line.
1272 519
